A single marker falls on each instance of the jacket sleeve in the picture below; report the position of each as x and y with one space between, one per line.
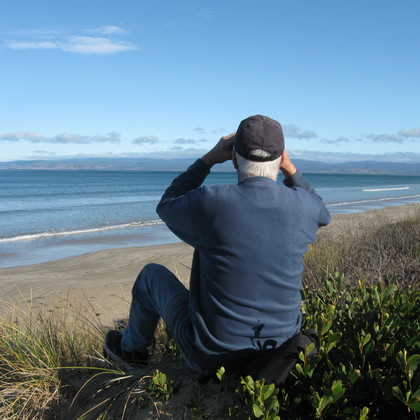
174 206
299 181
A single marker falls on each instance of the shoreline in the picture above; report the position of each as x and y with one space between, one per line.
61 245
102 280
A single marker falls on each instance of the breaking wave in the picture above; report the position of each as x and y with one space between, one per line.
40 235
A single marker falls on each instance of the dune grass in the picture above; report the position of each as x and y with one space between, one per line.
374 250
51 362
34 346
52 365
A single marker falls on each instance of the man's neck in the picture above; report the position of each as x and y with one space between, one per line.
242 177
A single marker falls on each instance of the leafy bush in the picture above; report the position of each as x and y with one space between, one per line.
159 385
368 360
261 397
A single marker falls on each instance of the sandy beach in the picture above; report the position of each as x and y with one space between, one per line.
101 281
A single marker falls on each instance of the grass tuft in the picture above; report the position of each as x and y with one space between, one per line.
374 251
33 348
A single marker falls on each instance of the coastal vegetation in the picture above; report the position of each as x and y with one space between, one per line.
361 294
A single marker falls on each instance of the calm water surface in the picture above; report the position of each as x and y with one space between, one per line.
46 215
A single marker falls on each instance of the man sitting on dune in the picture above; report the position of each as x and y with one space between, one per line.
249 240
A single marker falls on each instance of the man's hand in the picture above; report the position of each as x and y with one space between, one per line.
286 165
221 152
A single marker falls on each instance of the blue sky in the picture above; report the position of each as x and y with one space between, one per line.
168 78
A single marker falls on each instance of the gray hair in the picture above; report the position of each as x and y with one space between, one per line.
248 168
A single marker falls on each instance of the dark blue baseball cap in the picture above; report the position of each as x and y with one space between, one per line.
259 132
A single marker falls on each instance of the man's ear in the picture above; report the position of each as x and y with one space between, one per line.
235 162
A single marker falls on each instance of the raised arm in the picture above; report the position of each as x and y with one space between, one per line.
286 165
195 175
173 207
221 152
294 179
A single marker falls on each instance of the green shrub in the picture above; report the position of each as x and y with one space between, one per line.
160 386
368 366
260 397
368 361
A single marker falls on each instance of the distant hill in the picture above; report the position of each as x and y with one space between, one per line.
144 164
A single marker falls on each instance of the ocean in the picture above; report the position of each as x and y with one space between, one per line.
48 215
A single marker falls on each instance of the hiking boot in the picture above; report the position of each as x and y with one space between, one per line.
113 350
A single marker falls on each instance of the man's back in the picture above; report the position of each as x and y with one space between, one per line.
249 240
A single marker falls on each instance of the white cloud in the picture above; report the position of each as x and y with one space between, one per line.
38 33
145 140
32 136
104 44
337 157
63 138
385 138
95 45
185 141
402 136
337 140
291 130
35 45
108 30
414 132
43 153
175 152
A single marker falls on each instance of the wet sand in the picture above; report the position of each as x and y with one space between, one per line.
101 281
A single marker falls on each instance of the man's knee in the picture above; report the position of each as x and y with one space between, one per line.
147 274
